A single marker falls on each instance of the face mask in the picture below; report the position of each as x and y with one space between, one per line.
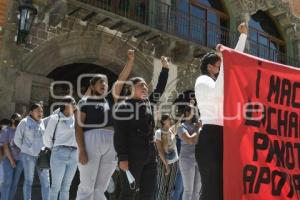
4 127
130 179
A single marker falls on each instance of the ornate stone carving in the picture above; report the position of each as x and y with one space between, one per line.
280 10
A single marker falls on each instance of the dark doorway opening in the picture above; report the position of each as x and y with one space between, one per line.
71 73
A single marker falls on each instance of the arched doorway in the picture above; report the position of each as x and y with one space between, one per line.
37 69
69 76
71 73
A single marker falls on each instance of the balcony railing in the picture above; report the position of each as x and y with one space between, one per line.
169 19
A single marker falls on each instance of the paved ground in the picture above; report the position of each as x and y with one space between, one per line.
36 190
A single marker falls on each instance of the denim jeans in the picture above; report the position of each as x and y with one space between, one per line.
11 177
29 163
190 177
178 189
1 177
63 168
102 162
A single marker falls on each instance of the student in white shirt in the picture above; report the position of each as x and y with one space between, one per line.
60 137
209 91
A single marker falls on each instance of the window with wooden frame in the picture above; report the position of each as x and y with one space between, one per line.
203 21
265 39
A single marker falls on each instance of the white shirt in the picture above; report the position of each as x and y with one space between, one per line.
46 119
65 131
170 150
210 94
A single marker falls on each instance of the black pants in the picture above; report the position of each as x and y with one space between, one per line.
209 156
145 177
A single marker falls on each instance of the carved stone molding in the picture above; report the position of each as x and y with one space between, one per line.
278 9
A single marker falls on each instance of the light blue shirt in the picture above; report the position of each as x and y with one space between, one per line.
187 150
7 137
29 136
65 131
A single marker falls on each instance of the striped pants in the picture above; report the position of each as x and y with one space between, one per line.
165 184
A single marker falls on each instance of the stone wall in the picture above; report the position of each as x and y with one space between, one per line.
295 5
3 9
23 68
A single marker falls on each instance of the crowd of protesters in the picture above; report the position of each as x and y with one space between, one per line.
121 150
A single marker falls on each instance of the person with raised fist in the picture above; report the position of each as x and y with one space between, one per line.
95 132
134 137
209 91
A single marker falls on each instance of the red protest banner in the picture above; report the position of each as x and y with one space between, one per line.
261 129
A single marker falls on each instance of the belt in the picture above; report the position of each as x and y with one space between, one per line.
68 147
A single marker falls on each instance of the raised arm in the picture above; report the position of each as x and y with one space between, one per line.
117 88
49 132
243 30
186 137
162 81
240 46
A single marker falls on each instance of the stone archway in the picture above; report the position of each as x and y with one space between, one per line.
100 49
94 47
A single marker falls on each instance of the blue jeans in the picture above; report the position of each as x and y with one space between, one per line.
63 168
1 177
190 177
11 177
29 163
178 190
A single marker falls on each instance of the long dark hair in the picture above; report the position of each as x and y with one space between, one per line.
96 78
164 117
209 58
188 109
66 100
35 106
13 118
127 88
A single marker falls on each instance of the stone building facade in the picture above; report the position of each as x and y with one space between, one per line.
73 37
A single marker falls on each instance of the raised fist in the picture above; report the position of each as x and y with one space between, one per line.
130 54
242 28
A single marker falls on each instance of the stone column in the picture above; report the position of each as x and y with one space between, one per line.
297 48
7 85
